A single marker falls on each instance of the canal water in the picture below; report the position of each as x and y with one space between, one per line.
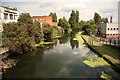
64 59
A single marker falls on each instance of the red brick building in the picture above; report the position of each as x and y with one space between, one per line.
44 19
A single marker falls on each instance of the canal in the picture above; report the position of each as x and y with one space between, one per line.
64 59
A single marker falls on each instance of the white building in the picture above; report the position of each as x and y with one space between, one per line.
7 15
109 30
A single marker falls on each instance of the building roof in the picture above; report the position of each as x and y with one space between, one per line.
41 16
15 9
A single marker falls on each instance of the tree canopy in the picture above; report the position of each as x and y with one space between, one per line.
64 23
74 19
104 20
97 18
54 16
21 37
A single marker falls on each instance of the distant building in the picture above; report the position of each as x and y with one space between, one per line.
8 14
109 30
44 19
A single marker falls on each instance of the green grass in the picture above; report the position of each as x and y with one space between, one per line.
111 59
78 37
92 38
113 49
43 43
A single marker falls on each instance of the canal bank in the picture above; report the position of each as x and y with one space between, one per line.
96 47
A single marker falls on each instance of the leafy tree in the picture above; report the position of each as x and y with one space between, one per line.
45 25
97 18
88 27
54 16
19 37
77 16
64 24
72 19
104 20
37 32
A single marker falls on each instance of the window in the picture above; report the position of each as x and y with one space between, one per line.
11 16
5 16
108 28
41 18
14 17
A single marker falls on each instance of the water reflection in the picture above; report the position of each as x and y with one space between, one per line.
61 60
65 38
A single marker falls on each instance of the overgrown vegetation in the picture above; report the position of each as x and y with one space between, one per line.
54 16
22 36
95 61
64 24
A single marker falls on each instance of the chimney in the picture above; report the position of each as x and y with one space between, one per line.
111 19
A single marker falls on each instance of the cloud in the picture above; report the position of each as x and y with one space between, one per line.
86 8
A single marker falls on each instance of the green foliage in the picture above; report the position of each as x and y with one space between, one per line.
64 38
78 37
54 16
88 27
95 61
73 43
64 24
45 25
25 18
37 32
21 37
54 32
74 19
97 18
77 16
43 43
106 76
104 20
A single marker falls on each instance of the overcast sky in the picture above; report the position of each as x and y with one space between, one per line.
86 8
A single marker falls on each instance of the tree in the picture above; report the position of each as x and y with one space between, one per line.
77 16
74 20
54 16
104 20
20 37
37 32
97 18
64 24
88 27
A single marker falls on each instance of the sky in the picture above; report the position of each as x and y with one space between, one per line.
86 8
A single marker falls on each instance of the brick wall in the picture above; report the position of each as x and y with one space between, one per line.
44 19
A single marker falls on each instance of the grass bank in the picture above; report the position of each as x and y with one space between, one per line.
103 52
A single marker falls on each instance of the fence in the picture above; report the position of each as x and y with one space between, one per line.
110 41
